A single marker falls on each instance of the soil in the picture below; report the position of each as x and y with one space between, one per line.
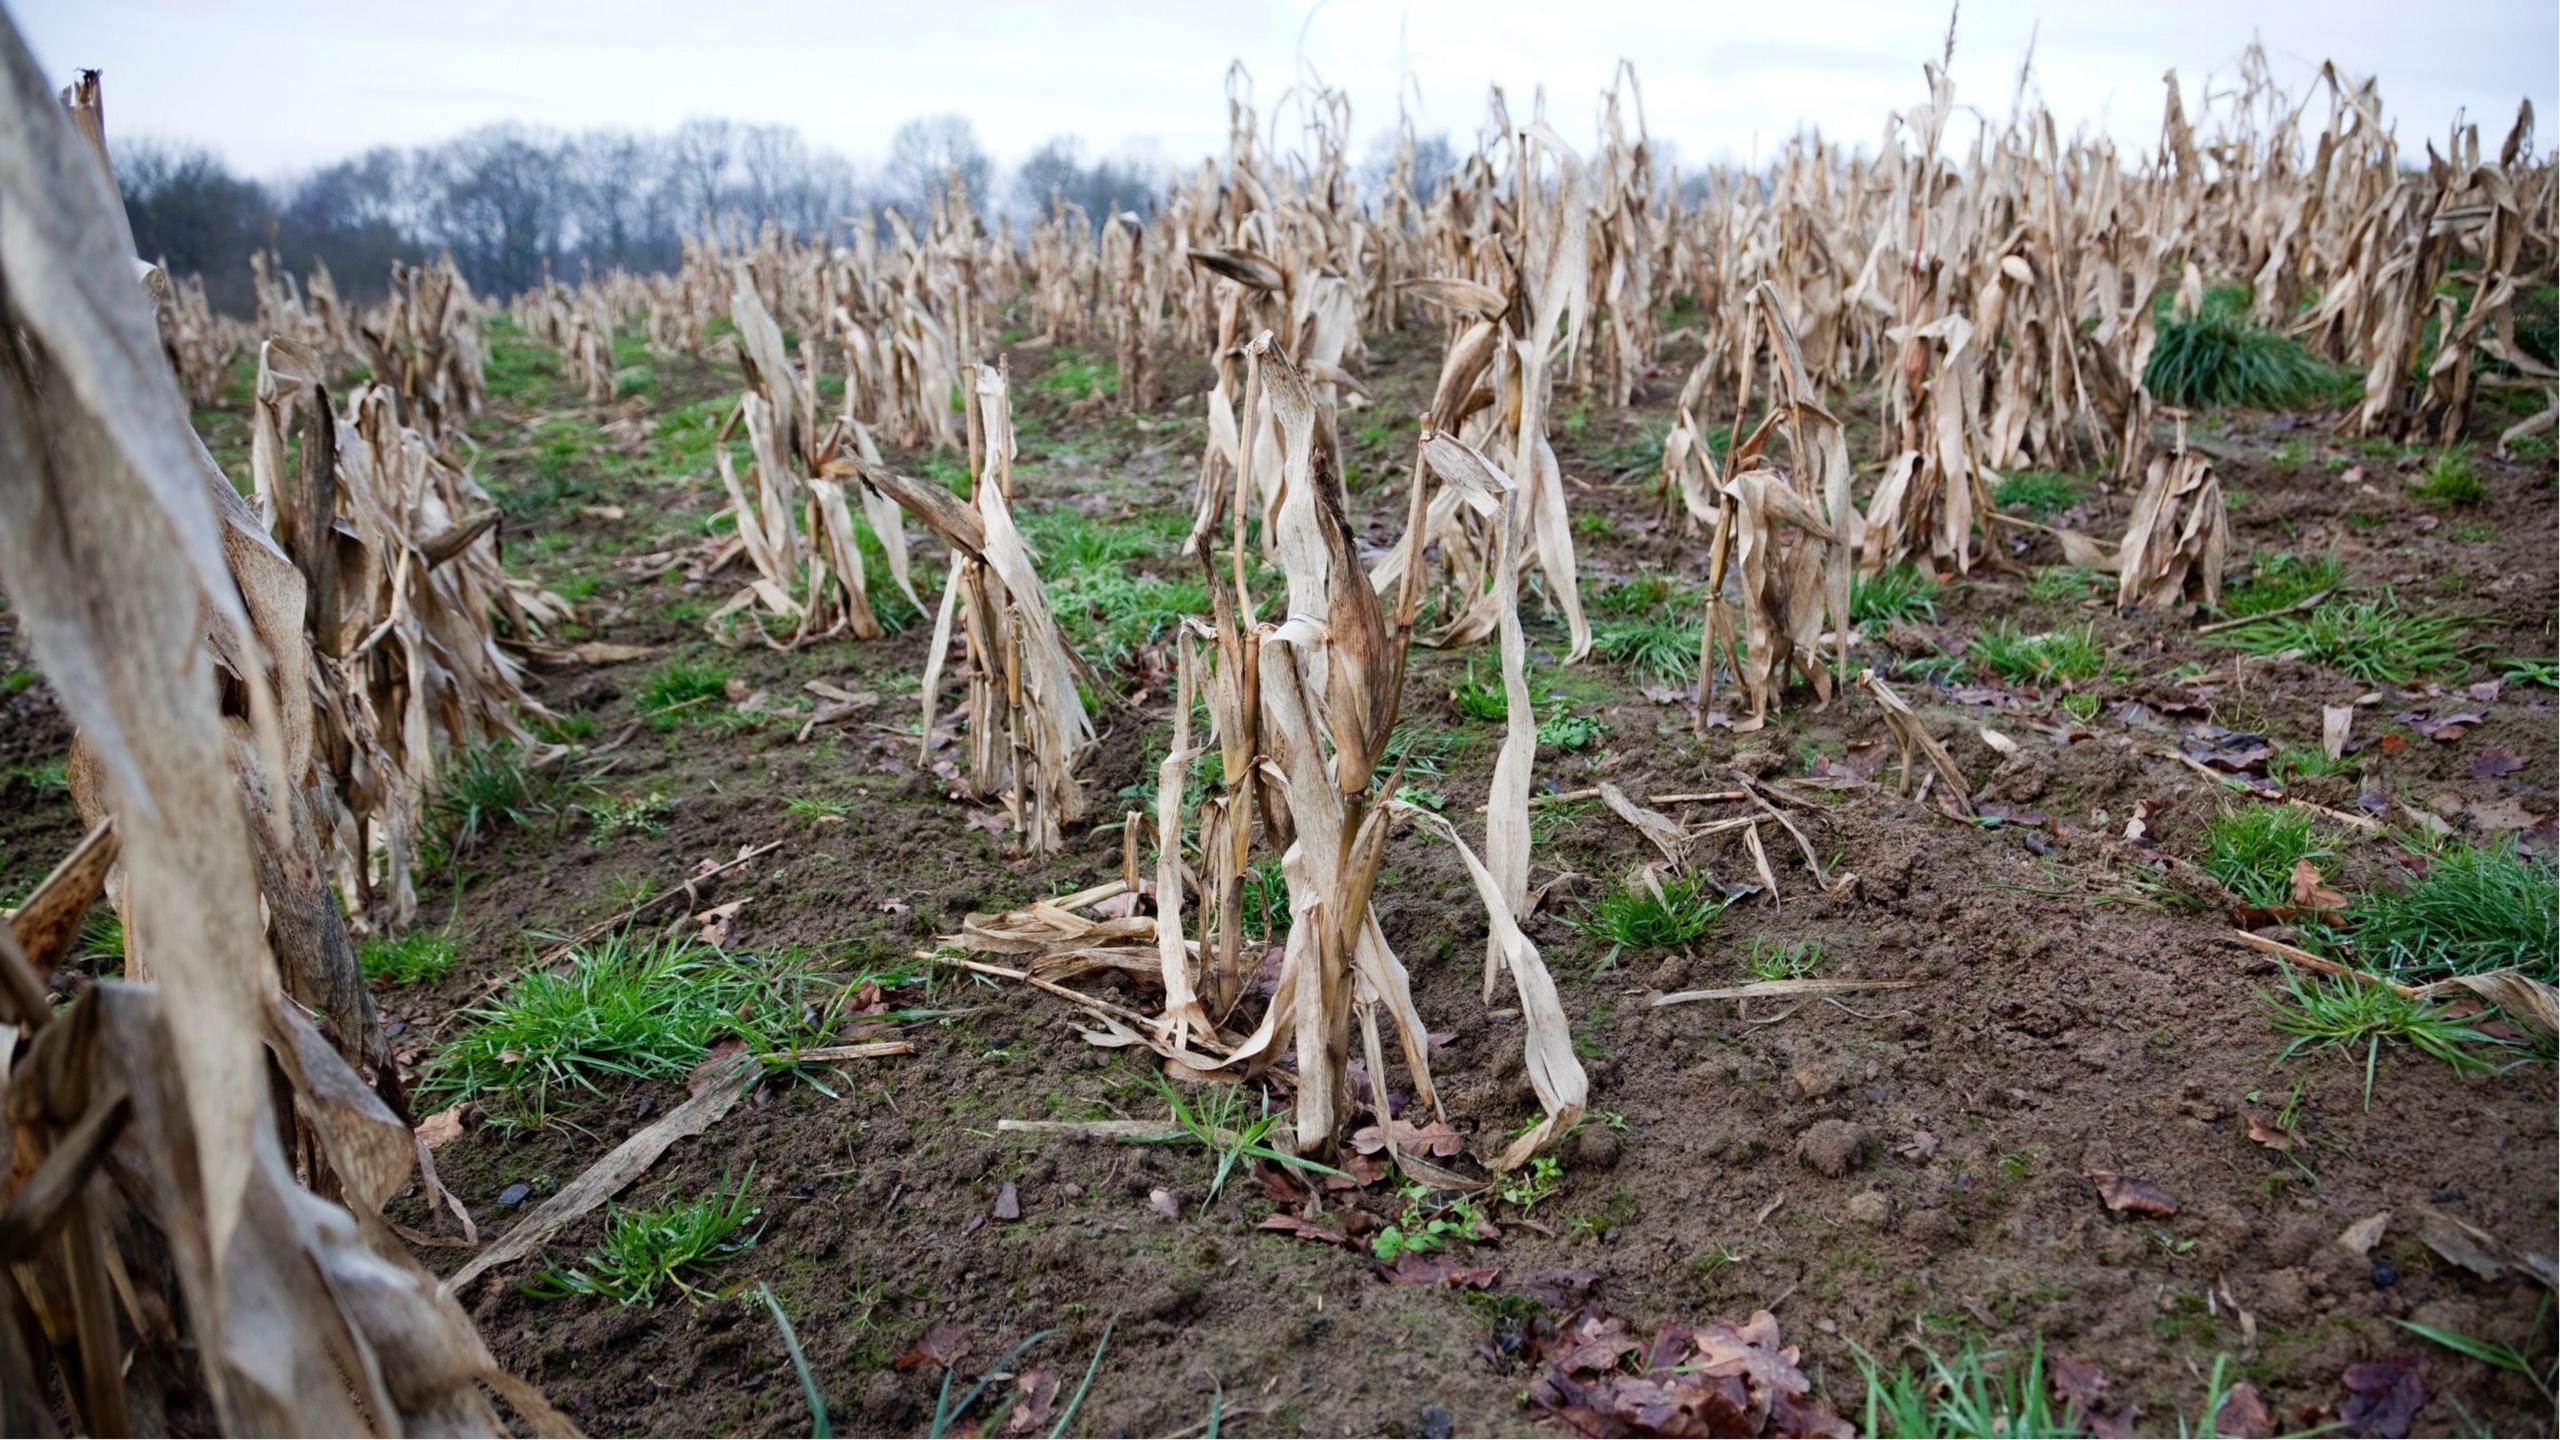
1874 1168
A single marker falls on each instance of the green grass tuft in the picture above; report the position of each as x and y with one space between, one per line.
1895 593
2065 584
2041 494
2218 358
2321 1013
2040 657
642 1009
2477 908
1636 917
2252 852
2375 641
2451 478
484 785
421 957
647 1248
680 686
2280 580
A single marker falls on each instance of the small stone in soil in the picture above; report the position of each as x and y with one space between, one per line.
2385 1274
1437 1423
514 1194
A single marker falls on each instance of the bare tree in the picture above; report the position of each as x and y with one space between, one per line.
925 151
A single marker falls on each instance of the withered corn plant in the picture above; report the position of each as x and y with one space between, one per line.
165 1265
1028 727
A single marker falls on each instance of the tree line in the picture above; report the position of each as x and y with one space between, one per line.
508 200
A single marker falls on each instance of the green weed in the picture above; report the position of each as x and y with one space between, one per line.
643 1009
2037 493
646 1248
421 957
2039 657
1653 917
2451 478
2477 908
2376 641
1895 593
2218 358
1215 1119
2321 1013
678 686
2252 852
2280 580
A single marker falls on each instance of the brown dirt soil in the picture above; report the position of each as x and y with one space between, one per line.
2070 1014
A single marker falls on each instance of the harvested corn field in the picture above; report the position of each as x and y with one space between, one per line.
1506 788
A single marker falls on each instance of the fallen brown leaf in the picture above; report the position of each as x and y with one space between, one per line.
441 1128
2125 1193
2310 894
2243 1415
943 1345
2264 1129
2383 1396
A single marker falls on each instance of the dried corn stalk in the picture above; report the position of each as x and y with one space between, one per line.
2178 537
1028 730
1910 737
258 1306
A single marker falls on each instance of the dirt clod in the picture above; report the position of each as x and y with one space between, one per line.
1833 1147
1871 1208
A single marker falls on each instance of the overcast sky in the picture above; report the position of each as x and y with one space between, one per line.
278 86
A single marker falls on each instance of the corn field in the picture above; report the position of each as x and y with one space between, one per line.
1742 801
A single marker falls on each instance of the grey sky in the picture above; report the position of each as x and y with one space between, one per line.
280 85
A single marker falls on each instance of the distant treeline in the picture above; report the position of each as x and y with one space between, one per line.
506 200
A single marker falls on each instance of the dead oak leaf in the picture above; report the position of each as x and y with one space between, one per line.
2244 1414
2383 1396
2078 1382
2128 1194
1436 1138
2495 763
2264 1129
943 1345
1036 1405
2310 894
441 1128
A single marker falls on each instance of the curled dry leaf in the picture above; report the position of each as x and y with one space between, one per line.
2384 1396
2310 895
943 1346
2362 1236
441 1128
2126 1194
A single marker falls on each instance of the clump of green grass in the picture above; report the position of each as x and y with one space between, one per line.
2542 670
2376 641
1792 961
2252 852
1639 916
1075 375
1895 593
2322 1013
421 957
1660 648
678 686
1262 898
2039 657
1481 697
1651 624
1216 1119
2218 358
2477 908
816 809
2064 584
2451 478
615 815
1974 1393
1109 615
2038 493
481 787
642 1009
2280 580
2306 762
657 1246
